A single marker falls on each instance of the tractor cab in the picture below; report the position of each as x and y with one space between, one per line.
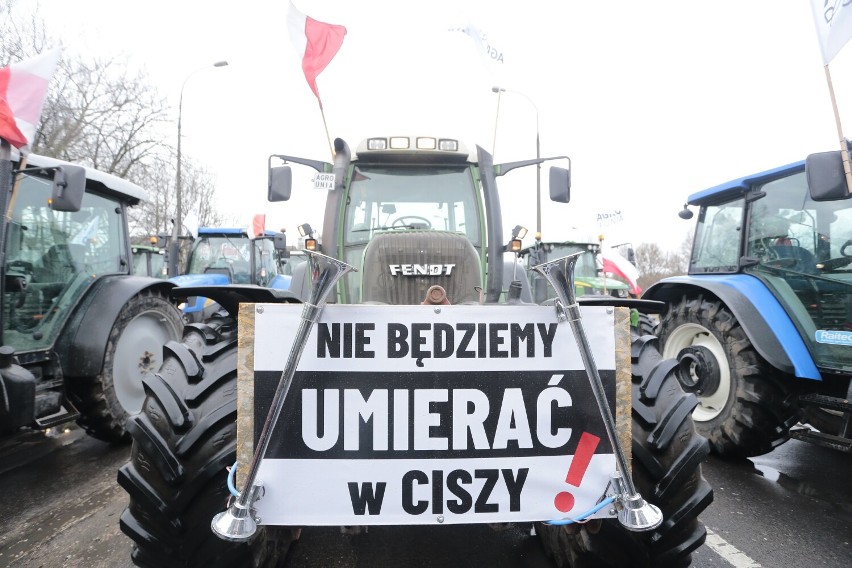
410 213
54 254
798 246
221 256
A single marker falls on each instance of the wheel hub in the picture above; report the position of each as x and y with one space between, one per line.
147 363
698 371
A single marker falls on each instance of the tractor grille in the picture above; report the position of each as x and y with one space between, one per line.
400 267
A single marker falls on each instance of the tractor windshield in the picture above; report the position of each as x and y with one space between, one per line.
384 198
221 254
231 255
52 257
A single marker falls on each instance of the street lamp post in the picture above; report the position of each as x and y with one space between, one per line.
174 247
499 90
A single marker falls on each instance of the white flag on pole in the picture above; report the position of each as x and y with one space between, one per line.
833 19
491 54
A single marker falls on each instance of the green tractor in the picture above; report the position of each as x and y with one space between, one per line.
80 330
149 260
590 280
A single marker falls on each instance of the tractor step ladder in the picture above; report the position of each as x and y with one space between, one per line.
62 416
843 440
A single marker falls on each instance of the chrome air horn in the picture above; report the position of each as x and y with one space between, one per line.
634 513
238 523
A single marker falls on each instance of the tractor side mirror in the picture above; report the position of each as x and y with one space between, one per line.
280 183
826 178
69 185
560 184
279 242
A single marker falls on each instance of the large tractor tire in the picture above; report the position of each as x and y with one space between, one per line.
183 441
744 406
666 470
134 348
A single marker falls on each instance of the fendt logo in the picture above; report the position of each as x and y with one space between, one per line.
421 269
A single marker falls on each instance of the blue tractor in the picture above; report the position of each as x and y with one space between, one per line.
762 324
220 256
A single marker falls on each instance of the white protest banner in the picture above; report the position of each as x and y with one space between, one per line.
407 415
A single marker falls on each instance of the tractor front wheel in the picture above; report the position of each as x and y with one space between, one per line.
667 456
183 441
134 347
744 407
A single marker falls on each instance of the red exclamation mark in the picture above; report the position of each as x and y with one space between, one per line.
564 501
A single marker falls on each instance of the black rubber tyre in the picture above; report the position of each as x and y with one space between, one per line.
183 441
134 348
667 456
647 325
751 410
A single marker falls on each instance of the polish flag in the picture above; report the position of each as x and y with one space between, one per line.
616 264
316 43
23 88
258 225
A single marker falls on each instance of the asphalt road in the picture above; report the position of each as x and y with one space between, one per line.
788 509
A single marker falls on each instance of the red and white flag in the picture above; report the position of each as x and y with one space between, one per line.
258 225
614 263
316 43
833 20
23 88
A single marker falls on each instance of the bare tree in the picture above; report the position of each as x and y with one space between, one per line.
686 250
100 114
21 34
655 264
155 216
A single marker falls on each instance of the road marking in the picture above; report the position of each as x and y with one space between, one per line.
729 552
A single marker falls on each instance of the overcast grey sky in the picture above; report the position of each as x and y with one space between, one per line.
652 100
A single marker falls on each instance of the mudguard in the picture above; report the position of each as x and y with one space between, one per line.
281 282
761 316
197 303
82 343
206 279
231 296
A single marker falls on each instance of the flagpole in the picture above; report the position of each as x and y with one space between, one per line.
496 119
15 188
5 185
844 150
325 125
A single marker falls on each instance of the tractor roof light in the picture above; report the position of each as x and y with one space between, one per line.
305 230
448 145
519 232
412 143
426 143
311 244
400 143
